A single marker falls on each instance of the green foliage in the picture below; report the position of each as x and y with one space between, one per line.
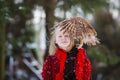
16 9
93 5
103 54
86 5
18 34
113 58
96 54
107 29
2 10
104 61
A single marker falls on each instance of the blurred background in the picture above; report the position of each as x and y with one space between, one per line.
25 27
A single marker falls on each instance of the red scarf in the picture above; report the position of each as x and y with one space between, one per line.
82 66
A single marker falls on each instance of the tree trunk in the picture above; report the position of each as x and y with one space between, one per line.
2 39
49 6
2 49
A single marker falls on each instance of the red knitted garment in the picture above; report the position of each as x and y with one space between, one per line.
53 66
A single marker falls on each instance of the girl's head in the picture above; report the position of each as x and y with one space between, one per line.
61 39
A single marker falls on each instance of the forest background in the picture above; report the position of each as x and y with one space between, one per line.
20 33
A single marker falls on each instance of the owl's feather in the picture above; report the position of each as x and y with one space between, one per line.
79 28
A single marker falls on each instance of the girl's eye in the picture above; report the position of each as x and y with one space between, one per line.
59 36
66 35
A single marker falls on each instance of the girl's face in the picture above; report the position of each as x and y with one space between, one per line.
62 39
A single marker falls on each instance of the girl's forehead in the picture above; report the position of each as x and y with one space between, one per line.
59 31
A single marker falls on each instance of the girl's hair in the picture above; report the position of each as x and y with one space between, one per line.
53 45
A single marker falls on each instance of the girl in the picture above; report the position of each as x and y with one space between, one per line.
67 61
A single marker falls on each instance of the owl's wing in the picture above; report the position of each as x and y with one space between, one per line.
80 29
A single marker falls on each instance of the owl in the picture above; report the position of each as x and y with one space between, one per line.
80 30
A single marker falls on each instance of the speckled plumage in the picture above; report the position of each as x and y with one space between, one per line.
79 29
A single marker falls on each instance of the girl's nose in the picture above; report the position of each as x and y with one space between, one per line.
64 38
